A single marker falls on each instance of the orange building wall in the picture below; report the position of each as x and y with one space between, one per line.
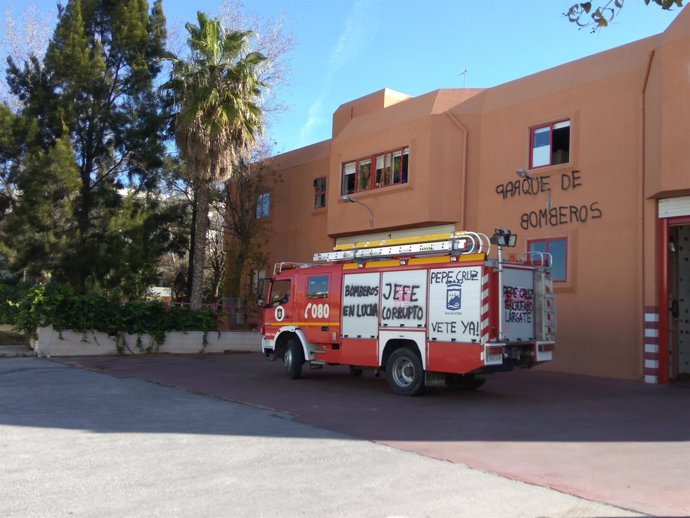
601 179
296 228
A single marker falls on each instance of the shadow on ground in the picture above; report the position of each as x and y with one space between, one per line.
515 406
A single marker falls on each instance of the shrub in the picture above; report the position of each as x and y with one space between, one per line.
28 307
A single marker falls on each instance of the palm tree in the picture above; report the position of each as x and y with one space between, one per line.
217 92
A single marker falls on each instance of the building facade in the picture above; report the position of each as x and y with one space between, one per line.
587 161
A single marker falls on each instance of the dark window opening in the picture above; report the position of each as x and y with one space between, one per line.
280 292
550 144
320 192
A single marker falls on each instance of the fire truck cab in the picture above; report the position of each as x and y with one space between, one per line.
427 311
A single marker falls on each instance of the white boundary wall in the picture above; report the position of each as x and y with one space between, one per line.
70 343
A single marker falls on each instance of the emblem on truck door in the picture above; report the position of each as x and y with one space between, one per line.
279 313
453 296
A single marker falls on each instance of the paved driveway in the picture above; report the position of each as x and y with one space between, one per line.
79 443
619 442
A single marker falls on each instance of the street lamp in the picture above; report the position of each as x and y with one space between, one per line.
524 174
502 237
349 199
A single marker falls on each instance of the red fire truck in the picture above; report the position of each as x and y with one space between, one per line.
428 311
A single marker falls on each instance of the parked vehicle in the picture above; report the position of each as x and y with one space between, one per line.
429 311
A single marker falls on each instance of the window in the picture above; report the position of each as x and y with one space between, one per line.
317 287
550 144
280 292
349 177
262 205
364 175
373 172
558 248
320 192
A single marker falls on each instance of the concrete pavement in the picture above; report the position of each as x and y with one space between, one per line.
620 442
79 443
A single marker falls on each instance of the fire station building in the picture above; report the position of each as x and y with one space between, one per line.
587 161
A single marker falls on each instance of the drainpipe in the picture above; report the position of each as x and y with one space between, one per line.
463 168
663 333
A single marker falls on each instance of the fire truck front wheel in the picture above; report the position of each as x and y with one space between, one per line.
405 373
293 358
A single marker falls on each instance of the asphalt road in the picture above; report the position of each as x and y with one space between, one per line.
75 442
619 442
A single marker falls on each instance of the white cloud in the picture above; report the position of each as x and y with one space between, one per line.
358 31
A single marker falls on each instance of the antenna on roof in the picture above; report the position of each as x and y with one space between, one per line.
463 74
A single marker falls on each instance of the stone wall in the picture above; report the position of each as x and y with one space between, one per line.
70 343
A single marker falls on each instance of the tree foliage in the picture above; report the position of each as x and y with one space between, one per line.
242 225
40 226
92 129
90 193
586 14
22 35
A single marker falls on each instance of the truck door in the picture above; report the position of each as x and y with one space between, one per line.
517 305
278 310
316 316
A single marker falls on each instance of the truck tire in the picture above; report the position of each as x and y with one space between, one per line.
293 358
405 373
464 382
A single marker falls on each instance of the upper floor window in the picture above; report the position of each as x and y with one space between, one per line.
320 192
373 172
558 248
550 144
263 202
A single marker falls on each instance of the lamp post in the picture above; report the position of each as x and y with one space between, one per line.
523 173
502 237
349 199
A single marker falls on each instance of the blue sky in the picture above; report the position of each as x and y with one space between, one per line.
348 48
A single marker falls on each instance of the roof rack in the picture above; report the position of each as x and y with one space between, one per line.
455 243
286 265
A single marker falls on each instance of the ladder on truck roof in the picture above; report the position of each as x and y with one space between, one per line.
454 243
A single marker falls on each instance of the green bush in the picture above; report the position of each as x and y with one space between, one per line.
10 294
28 307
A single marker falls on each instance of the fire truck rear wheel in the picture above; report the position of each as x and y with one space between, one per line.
293 358
405 373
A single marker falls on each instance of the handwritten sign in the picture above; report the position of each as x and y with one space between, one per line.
403 299
360 309
517 305
552 216
455 304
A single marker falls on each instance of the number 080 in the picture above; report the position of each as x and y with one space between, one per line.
317 311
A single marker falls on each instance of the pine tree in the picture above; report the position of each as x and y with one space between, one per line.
95 90
40 223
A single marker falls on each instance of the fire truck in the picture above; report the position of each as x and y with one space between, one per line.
428 311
